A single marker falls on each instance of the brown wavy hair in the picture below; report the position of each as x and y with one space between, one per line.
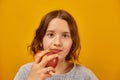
41 30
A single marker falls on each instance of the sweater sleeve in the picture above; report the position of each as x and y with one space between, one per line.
23 72
90 74
85 73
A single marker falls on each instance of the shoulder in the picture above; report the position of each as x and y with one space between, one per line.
26 66
82 68
85 72
23 71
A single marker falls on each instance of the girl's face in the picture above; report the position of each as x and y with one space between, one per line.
58 38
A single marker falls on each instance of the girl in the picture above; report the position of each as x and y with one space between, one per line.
58 35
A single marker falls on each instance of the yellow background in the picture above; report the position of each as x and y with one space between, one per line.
99 26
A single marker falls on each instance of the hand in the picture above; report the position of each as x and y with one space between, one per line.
38 70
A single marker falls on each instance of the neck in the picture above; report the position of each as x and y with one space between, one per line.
63 67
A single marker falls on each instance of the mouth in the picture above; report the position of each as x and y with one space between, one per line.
56 50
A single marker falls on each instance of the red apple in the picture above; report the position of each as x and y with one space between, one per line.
53 62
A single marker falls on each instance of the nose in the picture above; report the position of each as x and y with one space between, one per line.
57 41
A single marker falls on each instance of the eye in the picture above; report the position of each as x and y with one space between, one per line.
66 35
50 35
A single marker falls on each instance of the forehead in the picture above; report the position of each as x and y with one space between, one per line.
58 24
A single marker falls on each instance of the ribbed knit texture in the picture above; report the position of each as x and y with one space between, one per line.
78 72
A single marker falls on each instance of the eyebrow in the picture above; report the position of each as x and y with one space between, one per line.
50 31
67 32
54 31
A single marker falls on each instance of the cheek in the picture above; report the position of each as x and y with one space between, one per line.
68 46
45 43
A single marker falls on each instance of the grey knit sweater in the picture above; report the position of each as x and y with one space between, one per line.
78 72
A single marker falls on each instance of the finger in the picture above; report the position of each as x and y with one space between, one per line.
46 59
39 56
45 73
48 70
45 76
52 73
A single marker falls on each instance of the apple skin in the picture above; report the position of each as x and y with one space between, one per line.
53 63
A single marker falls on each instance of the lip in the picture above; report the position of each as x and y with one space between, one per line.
56 50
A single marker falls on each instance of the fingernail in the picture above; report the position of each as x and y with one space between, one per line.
56 55
47 50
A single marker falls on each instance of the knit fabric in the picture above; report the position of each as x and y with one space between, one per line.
78 72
